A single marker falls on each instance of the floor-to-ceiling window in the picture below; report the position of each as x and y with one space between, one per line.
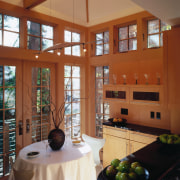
72 119
102 108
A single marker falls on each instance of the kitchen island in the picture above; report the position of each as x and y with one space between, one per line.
157 158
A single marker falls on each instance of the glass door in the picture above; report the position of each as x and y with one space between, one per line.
10 99
26 92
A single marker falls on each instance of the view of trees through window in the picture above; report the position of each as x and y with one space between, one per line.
102 43
155 32
40 36
7 117
72 37
72 119
128 38
9 31
41 98
102 108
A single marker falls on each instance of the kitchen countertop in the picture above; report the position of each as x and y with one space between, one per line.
156 157
140 128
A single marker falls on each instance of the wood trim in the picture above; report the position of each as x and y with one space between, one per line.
28 4
87 11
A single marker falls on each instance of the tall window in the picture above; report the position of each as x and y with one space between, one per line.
72 119
128 38
40 36
102 43
72 37
155 32
40 103
9 31
102 108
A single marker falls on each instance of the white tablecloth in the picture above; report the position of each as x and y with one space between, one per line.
69 163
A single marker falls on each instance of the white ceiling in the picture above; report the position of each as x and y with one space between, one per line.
104 10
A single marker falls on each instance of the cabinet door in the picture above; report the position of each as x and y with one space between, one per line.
135 146
115 147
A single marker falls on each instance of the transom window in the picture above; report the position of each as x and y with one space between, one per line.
9 31
72 119
72 37
128 38
102 108
155 32
39 36
102 43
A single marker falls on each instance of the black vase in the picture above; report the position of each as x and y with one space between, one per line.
56 139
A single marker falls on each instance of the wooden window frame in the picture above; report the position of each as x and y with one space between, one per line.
41 37
103 43
128 39
3 30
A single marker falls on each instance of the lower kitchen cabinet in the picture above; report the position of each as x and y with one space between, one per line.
122 142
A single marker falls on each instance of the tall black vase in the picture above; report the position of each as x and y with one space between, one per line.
56 139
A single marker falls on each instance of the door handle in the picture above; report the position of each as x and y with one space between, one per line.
20 127
27 125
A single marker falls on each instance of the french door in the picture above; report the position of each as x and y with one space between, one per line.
26 91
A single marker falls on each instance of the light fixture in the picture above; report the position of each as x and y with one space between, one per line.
36 56
84 49
59 52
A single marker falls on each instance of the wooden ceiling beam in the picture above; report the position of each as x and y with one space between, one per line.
28 4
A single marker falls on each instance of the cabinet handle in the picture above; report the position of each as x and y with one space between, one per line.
20 127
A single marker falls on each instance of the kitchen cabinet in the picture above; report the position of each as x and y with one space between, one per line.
122 142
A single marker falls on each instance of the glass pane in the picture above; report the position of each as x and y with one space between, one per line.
68 109
161 39
1 76
33 43
12 141
36 76
1 149
45 95
99 42
99 36
99 83
106 48
106 37
36 96
67 71
123 46
106 108
67 36
67 51
153 26
10 75
47 31
165 26
76 131
45 76
153 41
1 124
76 95
46 43
76 50
11 39
76 119
99 71
67 83
132 31
106 81
68 132
68 96
36 134
75 37
99 50
75 83
67 121
33 28
0 20
10 94
0 37
75 71
11 23
106 71
46 114
10 116
75 107
123 33
1 98
45 132
99 107
132 44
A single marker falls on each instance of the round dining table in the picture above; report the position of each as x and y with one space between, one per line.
71 162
